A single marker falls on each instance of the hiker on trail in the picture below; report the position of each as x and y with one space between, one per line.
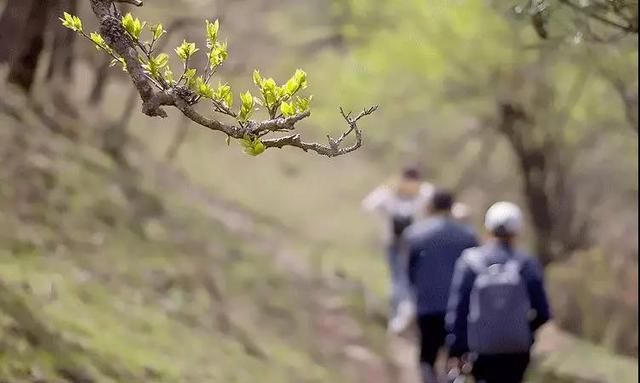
434 245
497 302
400 202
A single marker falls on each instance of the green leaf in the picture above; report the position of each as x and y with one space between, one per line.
67 21
97 39
228 99
223 95
121 61
155 64
168 75
269 92
158 31
269 84
301 78
186 50
195 82
247 99
258 148
253 147
297 82
212 33
303 104
161 60
291 87
247 106
72 22
287 109
217 55
190 73
133 26
202 88
257 79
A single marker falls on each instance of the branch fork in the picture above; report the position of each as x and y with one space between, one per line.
154 99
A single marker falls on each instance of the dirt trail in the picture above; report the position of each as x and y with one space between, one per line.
340 336
338 333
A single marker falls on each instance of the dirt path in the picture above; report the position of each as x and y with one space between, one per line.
339 335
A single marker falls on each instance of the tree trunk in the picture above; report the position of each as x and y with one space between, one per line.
62 52
102 73
548 194
29 45
11 22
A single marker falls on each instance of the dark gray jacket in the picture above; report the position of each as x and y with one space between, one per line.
434 246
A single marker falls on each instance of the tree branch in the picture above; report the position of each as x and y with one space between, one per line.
137 3
334 149
183 98
630 28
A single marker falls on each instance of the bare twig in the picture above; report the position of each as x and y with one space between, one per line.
629 27
137 3
153 100
334 148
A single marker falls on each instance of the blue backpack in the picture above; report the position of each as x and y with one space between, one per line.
499 307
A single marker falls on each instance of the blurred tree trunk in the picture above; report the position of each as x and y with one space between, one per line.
547 188
63 39
532 123
102 73
11 22
29 43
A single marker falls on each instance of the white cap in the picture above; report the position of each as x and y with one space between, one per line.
505 216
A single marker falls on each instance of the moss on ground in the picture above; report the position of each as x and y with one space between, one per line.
90 292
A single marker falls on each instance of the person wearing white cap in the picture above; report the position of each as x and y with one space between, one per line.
497 302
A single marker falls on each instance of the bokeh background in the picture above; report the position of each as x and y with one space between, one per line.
135 249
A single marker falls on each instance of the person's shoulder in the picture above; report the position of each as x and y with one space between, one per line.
470 258
464 229
530 262
420 230
415 230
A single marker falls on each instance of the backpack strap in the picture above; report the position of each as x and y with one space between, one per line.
516 261
475 259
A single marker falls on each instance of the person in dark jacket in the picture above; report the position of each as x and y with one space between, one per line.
504 222
434 246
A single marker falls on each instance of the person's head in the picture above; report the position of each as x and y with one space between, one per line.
411 173
409 182
461 212
441 202
504 220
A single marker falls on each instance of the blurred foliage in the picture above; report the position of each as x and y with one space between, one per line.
438 69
